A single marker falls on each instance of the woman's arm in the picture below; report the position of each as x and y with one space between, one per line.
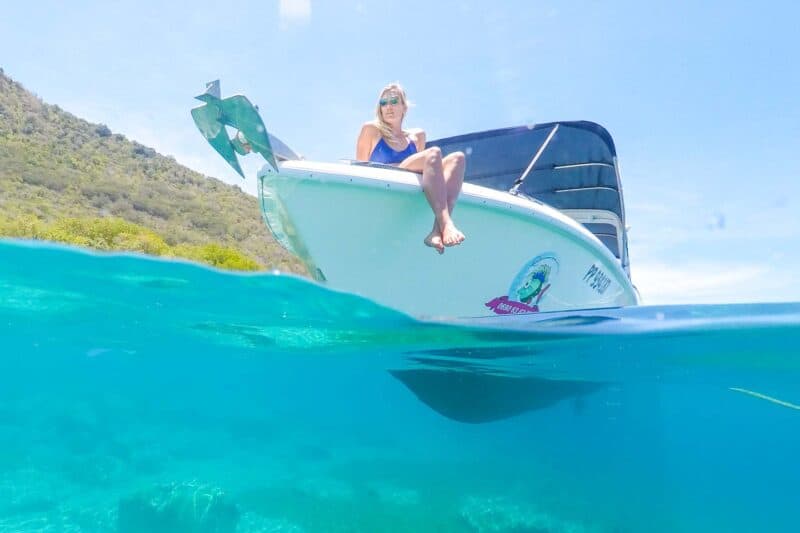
367 140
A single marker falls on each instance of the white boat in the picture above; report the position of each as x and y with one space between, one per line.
541 208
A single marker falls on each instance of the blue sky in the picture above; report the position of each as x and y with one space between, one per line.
700 97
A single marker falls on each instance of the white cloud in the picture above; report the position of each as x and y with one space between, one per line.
294 12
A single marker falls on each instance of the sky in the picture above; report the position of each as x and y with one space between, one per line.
701 99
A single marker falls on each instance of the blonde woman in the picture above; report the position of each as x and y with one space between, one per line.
384 140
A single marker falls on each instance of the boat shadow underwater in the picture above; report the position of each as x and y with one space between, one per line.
477 396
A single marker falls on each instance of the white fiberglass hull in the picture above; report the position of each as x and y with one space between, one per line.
363 228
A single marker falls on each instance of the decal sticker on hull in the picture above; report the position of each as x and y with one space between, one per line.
528 288
597 279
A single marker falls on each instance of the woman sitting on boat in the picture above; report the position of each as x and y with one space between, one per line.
384 140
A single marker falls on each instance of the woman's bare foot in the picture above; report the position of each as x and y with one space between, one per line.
451 236
434 240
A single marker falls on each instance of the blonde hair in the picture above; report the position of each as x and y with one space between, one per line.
382 125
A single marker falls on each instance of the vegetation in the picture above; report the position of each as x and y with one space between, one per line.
65 179
113 233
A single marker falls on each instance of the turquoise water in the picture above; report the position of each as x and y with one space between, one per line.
143 395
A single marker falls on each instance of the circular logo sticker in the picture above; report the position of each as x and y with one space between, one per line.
528 287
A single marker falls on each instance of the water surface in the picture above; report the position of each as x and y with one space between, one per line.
147 395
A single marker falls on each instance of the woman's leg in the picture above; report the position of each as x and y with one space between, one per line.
454 165
431 164
441 181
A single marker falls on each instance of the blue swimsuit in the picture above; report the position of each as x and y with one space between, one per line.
383 153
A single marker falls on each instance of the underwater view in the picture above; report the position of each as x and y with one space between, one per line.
146 395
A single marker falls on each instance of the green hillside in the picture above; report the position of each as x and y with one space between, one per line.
59 171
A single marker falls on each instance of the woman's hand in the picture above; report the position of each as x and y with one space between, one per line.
418 136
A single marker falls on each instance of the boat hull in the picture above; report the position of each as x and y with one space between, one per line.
361 230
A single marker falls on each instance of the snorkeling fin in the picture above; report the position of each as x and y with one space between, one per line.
236 112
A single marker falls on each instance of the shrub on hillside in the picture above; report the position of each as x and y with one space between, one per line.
102 130
112 233
22 227
216 255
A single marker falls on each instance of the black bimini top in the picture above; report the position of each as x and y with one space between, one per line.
568 165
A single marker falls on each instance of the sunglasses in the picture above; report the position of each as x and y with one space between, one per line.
386 101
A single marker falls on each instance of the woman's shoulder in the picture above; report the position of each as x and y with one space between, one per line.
370 128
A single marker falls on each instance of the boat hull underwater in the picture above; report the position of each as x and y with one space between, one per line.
531 207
